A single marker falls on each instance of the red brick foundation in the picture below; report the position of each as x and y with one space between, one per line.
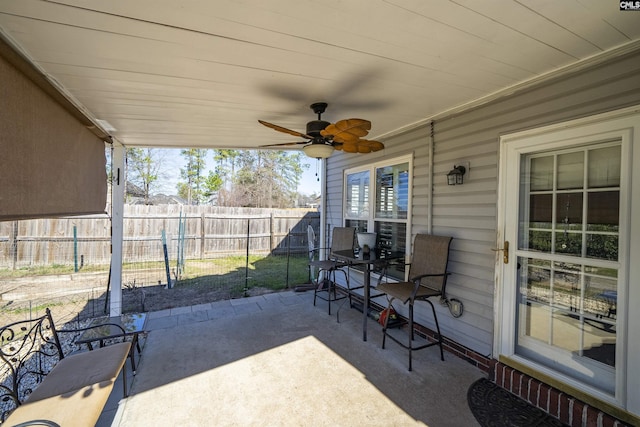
566 408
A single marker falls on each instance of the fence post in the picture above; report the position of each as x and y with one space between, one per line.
246 263
14 244
288 256
166 258
202 241
271 236
75 248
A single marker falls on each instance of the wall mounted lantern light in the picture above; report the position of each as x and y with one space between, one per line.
454 177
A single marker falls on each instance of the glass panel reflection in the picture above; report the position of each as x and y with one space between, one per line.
533 289
569 211
392 237
359 224
569 306
567 286
540 209
570 170
392 191
568 243
541 173
600 309
602 246
539 241
566 331
357 197
604 167
602 211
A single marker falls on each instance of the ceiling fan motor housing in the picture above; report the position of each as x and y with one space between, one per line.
315 126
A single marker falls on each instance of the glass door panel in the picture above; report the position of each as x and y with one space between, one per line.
567 277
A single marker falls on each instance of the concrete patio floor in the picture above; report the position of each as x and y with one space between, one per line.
276 360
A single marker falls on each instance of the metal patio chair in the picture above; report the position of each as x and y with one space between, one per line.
343 238
427 278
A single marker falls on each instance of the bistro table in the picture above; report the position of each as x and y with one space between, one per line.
127 325
375 258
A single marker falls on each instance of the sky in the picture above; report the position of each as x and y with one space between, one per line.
173 162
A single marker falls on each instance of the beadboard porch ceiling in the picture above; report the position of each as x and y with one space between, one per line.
201 73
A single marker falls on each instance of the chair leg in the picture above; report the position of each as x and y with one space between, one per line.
346 278
435 318
411 336
386 322
332 287
315 288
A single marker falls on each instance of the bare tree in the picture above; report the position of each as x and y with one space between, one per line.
144 169
265 178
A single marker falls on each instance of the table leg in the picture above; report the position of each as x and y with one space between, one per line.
132 351
365 303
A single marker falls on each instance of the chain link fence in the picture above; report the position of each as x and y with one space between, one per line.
172 256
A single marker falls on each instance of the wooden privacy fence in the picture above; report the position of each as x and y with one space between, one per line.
198 232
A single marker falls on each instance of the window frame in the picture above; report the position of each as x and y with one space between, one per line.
369 215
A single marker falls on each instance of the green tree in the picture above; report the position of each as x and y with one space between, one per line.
225 169
144 167
212 184
193 186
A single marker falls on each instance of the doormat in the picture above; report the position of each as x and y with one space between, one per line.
493 406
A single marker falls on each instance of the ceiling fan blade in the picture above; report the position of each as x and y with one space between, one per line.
367 146
347 147
284 130
360 146
349 130
284 143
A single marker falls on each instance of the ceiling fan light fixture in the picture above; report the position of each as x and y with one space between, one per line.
318 151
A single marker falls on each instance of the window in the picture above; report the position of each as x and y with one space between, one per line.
383 209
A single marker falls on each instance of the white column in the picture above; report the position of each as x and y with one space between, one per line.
322 243
118 158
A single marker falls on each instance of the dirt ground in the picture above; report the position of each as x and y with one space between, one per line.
155 298
80 299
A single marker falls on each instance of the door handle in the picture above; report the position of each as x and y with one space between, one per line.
505 252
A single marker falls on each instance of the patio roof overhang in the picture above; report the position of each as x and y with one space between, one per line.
201 74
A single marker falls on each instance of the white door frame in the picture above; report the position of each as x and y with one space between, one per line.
625 123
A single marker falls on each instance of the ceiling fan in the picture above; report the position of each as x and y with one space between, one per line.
323 137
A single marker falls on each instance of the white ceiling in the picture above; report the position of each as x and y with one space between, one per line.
200 73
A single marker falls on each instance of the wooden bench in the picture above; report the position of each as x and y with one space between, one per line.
42 386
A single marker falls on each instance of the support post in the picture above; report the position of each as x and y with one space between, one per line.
118 157
75 248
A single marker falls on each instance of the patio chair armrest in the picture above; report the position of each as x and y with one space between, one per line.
416 281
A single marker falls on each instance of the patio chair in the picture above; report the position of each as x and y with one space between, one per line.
325 284
428 278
